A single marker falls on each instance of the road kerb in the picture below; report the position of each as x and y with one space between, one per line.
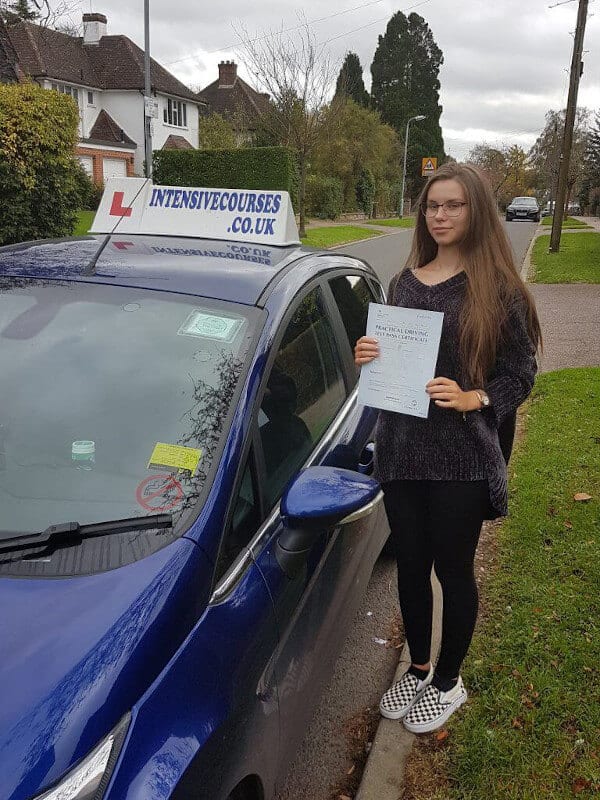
383 778
526 265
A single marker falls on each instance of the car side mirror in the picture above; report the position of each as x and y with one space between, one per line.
318 499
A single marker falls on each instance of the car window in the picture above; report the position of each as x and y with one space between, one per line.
304 391
352 295
244 521
113 401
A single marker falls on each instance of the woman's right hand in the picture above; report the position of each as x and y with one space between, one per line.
365 350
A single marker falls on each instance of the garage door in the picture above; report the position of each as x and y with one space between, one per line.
114 168
88 164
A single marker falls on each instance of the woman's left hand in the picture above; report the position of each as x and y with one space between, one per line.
448 394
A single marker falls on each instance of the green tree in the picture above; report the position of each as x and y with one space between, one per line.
405 72
38 133
365 191
215 133
350 83
18 10
360 141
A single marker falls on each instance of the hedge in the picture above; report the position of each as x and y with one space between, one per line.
38 167
245 168
324 197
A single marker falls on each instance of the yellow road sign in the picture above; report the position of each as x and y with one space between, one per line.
428 166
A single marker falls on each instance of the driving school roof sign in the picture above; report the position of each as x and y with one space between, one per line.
135 205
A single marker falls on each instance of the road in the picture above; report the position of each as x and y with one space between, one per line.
365 667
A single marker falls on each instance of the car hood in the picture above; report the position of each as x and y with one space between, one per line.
77 653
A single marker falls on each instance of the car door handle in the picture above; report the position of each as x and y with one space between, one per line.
367 459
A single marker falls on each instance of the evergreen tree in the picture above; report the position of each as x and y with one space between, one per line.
405 72
18 10
350 81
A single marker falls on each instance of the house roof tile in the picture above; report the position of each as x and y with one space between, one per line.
105 130
240 98
114 63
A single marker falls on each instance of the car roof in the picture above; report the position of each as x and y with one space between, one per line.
227 270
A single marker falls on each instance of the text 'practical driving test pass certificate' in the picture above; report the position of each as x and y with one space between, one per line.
409 340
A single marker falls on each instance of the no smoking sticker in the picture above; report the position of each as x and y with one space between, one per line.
159 493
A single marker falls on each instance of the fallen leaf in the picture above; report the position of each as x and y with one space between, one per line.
344 797
441 735
582 497
580 785
351 770
568 524
517 723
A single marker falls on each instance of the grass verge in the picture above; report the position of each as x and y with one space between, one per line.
577 262
84 222
394 222
329 236
569 222
531 727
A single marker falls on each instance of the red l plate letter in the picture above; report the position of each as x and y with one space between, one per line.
117 209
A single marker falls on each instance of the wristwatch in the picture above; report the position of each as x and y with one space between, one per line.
483 398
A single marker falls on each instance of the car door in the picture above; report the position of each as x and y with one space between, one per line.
308 415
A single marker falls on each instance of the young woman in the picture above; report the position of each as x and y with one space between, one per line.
442 476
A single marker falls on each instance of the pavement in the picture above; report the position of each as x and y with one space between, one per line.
570 320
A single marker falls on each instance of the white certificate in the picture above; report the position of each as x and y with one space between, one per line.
409 341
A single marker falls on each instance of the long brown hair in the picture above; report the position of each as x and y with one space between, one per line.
493 282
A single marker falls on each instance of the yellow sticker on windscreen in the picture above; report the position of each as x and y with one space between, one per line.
174 456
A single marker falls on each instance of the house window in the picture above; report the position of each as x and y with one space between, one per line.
90 96
64 88
175 113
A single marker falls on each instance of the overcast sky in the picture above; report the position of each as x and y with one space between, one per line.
505 61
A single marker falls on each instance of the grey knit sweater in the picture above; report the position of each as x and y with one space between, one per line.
449 445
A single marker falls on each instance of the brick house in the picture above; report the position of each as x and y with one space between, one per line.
235 100
105 76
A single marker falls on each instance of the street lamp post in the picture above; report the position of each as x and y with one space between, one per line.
147 92
418 118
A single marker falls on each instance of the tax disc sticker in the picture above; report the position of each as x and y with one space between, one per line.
174 456
210 326
159 493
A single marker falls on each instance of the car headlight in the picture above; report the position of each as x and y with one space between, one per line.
89 779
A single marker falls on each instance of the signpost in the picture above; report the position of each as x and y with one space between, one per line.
428 166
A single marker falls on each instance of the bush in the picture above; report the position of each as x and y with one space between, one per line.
324 197
365 192
89 193
38 167
271 168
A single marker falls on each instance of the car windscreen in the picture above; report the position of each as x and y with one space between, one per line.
525 201
114 401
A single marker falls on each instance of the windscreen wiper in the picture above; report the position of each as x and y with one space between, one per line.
59 534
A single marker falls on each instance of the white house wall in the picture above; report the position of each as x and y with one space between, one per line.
127 110
161 131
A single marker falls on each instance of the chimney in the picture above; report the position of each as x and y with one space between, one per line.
94 28
227 73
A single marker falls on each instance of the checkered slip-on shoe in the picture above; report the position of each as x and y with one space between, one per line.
434 707
401 696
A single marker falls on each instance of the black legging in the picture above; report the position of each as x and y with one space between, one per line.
437 523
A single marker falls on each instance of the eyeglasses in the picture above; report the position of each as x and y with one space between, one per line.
451 208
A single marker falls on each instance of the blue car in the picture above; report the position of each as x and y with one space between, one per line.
187 521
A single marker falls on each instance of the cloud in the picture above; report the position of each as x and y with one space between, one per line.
504 63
